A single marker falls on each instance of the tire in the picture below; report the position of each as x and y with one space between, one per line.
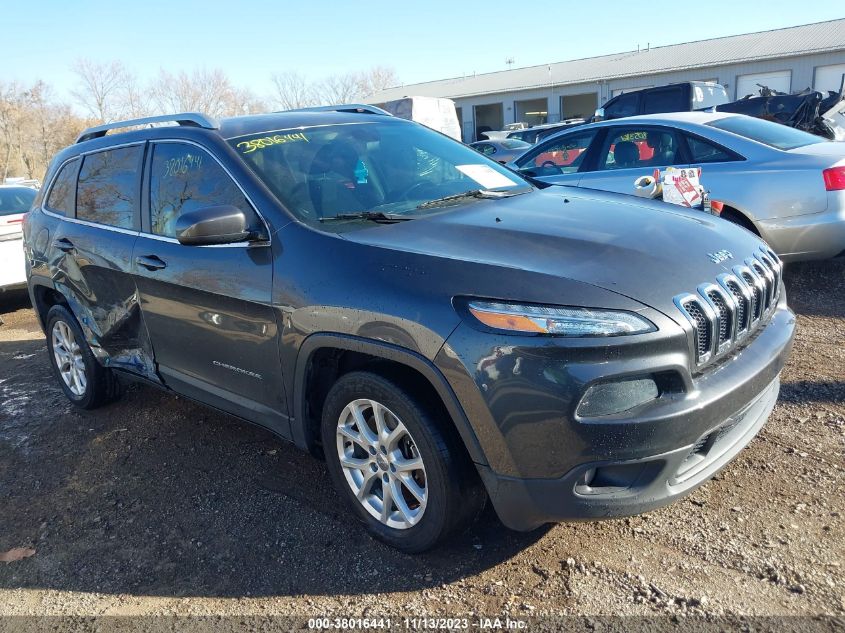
86 383
451 492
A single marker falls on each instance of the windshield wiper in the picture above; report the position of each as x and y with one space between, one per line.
373 216
472 193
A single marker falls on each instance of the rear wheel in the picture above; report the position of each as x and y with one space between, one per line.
399 468
86 383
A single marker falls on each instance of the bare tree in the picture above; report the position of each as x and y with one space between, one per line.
377 78
208 91
293 90
102 88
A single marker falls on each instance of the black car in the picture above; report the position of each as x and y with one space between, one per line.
686 96
438 328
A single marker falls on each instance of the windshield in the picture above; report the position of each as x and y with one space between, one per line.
772 134
708 96
14 200
388 167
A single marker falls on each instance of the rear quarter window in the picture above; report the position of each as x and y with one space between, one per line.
62 196
108 187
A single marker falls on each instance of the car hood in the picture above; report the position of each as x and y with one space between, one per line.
648 251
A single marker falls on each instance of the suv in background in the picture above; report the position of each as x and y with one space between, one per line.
681 97
539 132
438 328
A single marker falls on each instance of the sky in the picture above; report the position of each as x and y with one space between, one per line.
422 41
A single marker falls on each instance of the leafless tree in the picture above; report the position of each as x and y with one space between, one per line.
208 91
293 90
102 88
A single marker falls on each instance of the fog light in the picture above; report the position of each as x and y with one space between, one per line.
607 398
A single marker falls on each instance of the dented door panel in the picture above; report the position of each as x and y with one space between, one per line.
92 269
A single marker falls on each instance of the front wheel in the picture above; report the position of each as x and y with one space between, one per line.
399 467
86 383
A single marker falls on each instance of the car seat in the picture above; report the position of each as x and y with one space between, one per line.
626 154
332 182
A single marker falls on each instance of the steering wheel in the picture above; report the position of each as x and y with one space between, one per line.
548 165
417 190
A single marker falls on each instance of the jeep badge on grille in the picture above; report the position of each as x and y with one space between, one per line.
719 256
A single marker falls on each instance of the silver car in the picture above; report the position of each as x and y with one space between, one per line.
502 150
786 185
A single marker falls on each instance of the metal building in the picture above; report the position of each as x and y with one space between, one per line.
789 59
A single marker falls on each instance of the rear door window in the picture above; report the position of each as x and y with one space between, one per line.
669 100
635 148
108 187
702 151
625 105
62 198
185 178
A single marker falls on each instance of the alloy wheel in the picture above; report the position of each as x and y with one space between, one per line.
69 359
381 463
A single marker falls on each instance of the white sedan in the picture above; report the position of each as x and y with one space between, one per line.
14 203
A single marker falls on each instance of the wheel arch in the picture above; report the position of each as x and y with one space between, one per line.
44 296
304 426
735 215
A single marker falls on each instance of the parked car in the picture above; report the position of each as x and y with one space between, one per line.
686 96
785 185
501 150
15 201
538 132
435 326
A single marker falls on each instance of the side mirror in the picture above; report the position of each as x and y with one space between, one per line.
599 115
223 224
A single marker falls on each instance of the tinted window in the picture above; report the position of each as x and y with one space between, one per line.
184 178
485 148
14 200
63 192
634 148
772 134
703 152
625 105
108 187
557 156
664 101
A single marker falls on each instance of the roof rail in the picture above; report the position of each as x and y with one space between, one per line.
190 119
360 108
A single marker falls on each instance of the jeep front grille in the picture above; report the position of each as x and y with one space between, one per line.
724 313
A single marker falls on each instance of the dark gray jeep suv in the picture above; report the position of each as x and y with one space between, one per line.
440 329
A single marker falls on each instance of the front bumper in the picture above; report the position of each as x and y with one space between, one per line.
521 400
629 487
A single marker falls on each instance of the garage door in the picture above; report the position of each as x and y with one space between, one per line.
747 84
829 77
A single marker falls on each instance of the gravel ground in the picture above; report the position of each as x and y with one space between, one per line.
155 505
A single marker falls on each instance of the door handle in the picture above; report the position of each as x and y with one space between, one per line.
150 262
63 244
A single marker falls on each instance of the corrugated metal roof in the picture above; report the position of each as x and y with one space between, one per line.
798 40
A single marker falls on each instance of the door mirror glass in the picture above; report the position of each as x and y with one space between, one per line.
599 115
221 224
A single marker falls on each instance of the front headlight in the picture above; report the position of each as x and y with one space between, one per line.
558 321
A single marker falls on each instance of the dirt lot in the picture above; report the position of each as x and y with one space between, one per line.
156 505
